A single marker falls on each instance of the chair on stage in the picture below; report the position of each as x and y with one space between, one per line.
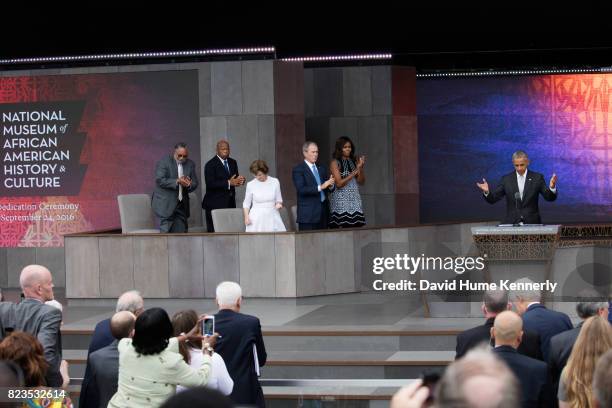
228 220
194 221
136 214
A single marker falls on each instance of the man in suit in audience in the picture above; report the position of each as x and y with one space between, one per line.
495 302
522 189
175 178
240 344
103 365
311 183
102 336
561 345
33 316
537 317
531 373
222 178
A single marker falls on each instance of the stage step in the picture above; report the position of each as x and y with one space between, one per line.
328 364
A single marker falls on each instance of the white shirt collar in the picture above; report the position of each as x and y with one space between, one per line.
222 160
309 164
532 303
524 175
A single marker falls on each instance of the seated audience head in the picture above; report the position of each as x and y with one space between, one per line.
602 381
260 169
152 331
344 148
494 302
36 283
507 329
26 351
310 150
594 340
198 397
478 380
229 296
591 303
122 324
183 322
522 298
131 301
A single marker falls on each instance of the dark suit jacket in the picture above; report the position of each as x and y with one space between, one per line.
165 196
561 346
531 374
43 322
239 332
546 323
101 336
217 194
308 195
468 339
101 385
528 207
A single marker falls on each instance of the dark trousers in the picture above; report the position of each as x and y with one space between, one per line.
322 224
177 222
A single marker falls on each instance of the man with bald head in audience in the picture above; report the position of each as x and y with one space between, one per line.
531 373
33 316
103 365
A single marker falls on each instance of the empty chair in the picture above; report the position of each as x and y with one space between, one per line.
228 220
194 222
136 214
284 213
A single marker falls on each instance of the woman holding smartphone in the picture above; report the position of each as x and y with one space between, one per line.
345 200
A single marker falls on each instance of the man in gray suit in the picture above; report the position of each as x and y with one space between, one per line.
33 316
103 364
175 178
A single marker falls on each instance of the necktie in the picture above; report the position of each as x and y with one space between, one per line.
318 178
180 174
226 166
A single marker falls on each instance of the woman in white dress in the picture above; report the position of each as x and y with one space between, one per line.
262 201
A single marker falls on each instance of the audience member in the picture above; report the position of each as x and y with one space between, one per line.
311 182
531 373
11 377
32 316
262 201
602 381
199 397
150 366
103 365
345 201
495 302
191 350
575 385
537 318
240 344
26 351
561 345
102 336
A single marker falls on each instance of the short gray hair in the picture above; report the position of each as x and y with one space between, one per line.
519 154
496 301
228 293
529 295
307 144
478 363
131 301
589 303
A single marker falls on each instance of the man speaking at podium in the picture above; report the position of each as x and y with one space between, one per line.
522 189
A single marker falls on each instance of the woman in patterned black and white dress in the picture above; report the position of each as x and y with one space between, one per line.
345 201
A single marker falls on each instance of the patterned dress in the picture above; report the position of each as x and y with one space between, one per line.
345 202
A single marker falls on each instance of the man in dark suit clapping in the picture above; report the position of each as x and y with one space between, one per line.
240 344
222 178
311 182
522 189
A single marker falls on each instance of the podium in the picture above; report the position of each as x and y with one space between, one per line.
515 252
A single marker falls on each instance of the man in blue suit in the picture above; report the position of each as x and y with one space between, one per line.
311 182
531 373
536 317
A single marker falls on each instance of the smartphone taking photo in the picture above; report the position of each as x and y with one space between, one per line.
208 326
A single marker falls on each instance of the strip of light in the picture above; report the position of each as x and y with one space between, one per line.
514 72
354 57
166 54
